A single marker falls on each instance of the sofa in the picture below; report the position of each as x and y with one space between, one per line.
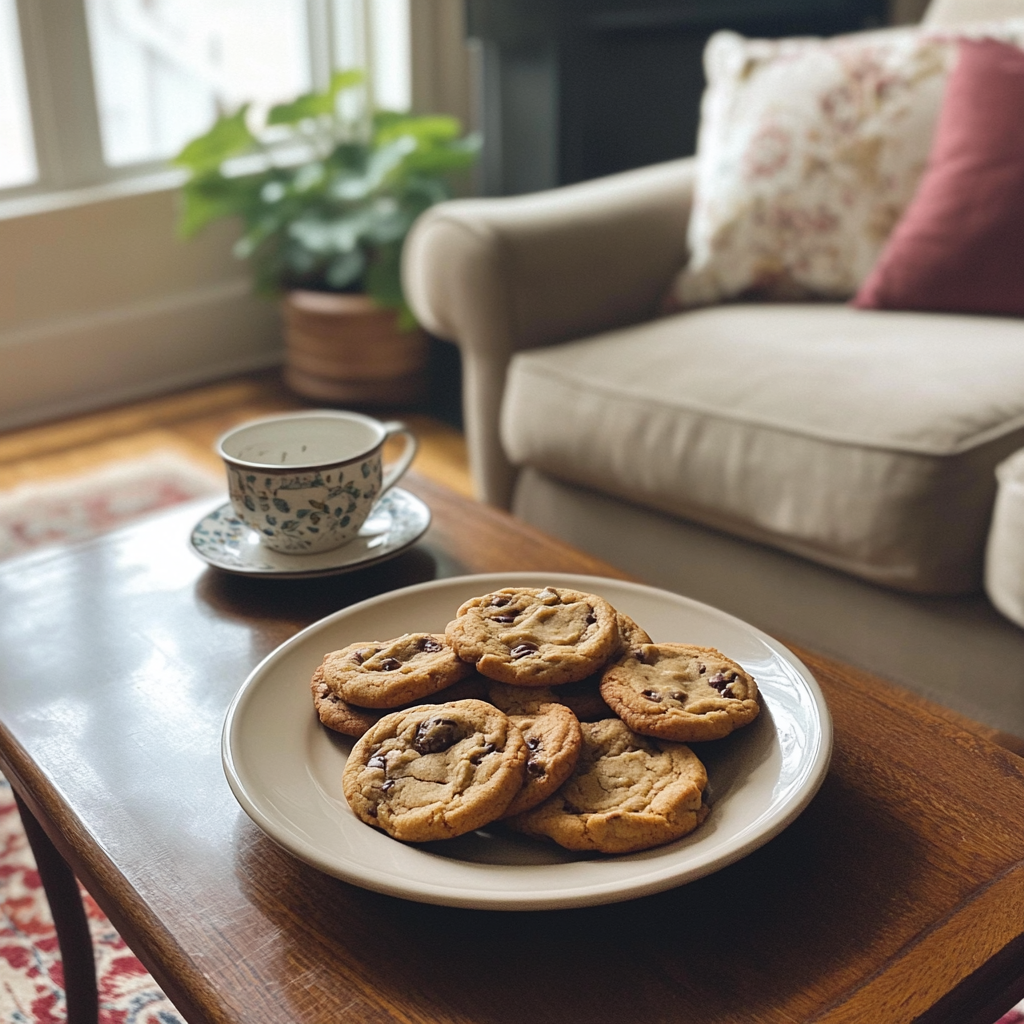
825 472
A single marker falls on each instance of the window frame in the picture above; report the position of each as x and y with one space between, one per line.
63 106
103 303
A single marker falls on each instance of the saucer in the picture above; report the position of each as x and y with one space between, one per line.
397 521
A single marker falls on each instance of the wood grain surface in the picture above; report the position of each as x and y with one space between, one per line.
897 896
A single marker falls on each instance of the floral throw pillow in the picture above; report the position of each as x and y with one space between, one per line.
808 152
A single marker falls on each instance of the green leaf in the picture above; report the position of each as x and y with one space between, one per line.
211 198
387 159
388 222
273 192
455 156
261 226
344 270
315 104
383 279
312 104
325 199
229 136
300 262
330 236
431 128
343 80
419 191
349 156
406 318
351 188
308 177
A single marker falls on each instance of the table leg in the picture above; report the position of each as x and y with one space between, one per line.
65 900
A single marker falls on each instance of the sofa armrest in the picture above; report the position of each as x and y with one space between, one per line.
500 275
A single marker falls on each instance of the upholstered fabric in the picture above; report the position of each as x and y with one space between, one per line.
860 439
808 153
1004 556
959 247
499 275
958 651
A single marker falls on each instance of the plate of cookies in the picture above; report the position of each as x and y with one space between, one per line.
522 741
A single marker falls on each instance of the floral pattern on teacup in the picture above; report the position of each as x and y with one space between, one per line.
306 512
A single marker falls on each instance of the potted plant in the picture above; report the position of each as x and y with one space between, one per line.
326 191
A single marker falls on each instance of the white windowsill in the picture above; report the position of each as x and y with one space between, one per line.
30 204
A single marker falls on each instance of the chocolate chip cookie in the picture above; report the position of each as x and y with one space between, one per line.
583 698
350 720
337 714
680 692
553 741
535 637
630 634
390 673
436 771
627 793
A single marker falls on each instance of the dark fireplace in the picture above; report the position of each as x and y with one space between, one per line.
574 89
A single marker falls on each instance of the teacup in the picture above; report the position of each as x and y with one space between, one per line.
306 481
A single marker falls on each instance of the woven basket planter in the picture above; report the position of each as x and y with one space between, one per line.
346 349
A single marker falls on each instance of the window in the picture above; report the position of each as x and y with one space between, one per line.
112 87
17 155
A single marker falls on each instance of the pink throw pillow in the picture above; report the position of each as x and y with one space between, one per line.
959 247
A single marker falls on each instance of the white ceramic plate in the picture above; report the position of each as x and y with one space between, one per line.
397 521
285 768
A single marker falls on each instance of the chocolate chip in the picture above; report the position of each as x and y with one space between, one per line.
489 748
591 617
363 653
720 681
652 695
701 668
436 734
390 664
429 644
371 811
534 768
523 649
679 696
499 601
533 742
503 618
377 761
388 784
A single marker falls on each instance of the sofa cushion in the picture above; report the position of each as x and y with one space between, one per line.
808 152
959 246
1004 555
865 440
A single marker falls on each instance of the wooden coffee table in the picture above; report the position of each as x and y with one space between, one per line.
897 896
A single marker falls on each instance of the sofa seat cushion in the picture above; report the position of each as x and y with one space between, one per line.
865 440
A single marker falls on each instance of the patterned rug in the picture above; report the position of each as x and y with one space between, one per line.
31 975
32 516
76 508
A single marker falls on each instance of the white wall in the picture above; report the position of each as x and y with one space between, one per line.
101 302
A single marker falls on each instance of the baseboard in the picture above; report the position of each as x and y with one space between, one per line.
148 389
72 365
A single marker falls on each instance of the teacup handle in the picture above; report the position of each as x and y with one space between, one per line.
393 473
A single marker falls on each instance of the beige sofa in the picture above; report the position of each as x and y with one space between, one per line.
824 472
